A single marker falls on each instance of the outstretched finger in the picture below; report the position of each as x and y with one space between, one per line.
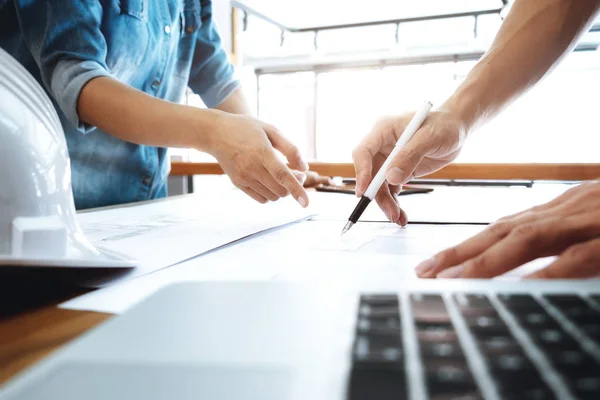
466 250
579 261
287 148
285 178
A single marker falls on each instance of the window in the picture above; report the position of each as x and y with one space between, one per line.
326 91
326 103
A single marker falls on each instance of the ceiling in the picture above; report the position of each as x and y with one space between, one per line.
299 14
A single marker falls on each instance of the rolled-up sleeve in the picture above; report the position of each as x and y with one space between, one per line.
212 76
65 40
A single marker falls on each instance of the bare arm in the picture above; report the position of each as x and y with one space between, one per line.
532 40
244 146
235 104
136 117
534 37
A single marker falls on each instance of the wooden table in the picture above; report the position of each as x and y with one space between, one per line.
33 326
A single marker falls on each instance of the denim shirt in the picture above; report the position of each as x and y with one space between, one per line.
157 46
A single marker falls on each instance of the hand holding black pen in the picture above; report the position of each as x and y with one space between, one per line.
379 178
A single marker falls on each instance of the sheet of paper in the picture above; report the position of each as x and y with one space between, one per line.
453 205
310 250
161 234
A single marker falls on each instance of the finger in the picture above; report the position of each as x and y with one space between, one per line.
287 148
394 191
300 176
428 166
466 250
261 189
526 242
579 261
285 178
403 220
406 161
325 180
271 184
388 204
364 154
536 209
523 244
363 167
252 193
559 203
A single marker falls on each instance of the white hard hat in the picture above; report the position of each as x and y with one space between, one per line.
38 225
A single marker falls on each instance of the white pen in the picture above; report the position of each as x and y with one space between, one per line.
379 178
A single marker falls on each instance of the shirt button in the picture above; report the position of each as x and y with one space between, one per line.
189 29
167 29
155 84
146 180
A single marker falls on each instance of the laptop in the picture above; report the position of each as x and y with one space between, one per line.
416 339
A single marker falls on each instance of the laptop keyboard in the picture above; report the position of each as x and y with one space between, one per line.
472 346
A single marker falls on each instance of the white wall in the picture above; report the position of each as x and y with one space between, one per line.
222 17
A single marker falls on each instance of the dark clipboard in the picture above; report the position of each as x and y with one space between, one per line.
406 190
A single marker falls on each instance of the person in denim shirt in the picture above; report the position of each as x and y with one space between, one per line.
116 71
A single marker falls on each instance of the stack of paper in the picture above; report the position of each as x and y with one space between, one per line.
162 233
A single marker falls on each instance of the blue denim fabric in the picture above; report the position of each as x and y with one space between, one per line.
156 46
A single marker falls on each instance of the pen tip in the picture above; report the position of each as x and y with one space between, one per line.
347 227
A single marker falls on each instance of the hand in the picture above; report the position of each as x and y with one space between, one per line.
434 145
246 150
312 179
567 227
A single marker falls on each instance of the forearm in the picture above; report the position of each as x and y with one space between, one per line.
235 104
532 40
136 117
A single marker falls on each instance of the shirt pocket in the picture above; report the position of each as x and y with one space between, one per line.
191 19
135 8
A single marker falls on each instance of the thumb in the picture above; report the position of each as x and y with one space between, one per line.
287 148
403 165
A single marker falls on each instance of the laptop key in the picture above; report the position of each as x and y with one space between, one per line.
580 316
485 326
458 396
448 377
368 343
474 305
379 325
535 390
442 350
378 300
536 320
573 363
429 309
378 312
436 333
554 339
368 384
512 364
519 301
473 301
493 346
565 300
380 360
586 388
591 330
